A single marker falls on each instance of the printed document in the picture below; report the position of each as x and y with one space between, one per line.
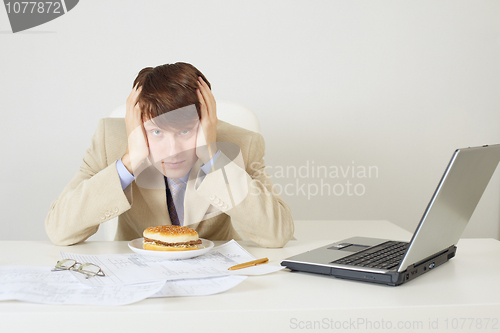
41 285
130 268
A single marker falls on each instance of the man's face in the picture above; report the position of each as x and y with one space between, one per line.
172 150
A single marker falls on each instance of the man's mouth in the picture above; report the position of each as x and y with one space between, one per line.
173 165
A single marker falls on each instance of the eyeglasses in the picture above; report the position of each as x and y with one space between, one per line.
88 269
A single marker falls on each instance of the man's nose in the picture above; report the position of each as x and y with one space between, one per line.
173 146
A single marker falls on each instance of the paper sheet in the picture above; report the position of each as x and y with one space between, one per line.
41 285
199 287
130 278
122 269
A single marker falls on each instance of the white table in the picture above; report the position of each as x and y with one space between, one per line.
466 287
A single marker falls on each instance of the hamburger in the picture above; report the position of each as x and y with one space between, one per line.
170 238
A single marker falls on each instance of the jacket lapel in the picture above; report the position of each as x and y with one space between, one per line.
195 206
151 185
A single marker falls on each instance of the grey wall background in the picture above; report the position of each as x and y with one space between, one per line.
396 85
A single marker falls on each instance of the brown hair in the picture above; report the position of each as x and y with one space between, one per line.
166 88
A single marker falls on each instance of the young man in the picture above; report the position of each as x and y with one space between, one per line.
171 161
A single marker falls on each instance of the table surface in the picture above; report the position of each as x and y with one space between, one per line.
463 294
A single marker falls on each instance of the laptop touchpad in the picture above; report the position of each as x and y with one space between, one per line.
349 247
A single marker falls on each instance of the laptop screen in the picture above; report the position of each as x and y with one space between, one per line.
453 202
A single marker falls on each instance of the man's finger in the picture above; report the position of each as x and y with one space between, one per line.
134 94
137 92
208 96
203 105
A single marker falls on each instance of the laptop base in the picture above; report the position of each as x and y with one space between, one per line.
390 278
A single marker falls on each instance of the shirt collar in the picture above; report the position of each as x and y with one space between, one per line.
183 179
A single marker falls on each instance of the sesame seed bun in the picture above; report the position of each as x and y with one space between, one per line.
170 238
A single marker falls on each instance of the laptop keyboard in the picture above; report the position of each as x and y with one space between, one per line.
385 256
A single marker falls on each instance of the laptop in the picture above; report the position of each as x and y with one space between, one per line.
434 241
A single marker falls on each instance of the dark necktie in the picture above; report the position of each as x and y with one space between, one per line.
171 206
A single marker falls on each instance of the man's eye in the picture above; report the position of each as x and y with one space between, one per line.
156 132
184 132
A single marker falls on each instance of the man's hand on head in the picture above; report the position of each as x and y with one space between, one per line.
137 149
207 129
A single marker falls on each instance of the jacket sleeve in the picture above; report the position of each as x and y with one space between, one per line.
94 195
241 188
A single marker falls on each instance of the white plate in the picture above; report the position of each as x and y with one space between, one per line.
136 246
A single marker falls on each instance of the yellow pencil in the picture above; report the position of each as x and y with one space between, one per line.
248 264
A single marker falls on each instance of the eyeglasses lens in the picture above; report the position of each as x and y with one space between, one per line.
90 269
65 264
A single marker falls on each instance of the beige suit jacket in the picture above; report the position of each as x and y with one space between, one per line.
237 190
